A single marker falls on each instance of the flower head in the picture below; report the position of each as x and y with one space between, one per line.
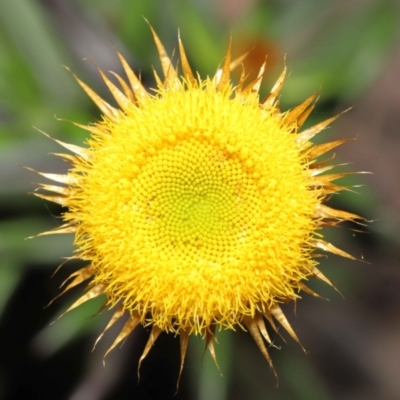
196 205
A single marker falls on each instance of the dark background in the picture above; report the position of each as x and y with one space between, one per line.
348 49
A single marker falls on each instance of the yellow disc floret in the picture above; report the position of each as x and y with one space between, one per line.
207 211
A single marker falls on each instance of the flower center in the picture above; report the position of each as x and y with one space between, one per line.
194 203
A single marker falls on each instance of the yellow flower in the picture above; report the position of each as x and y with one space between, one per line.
196 205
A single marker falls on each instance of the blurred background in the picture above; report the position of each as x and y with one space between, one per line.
347 49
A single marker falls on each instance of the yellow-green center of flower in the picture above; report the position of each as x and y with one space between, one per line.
196 208
194 205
